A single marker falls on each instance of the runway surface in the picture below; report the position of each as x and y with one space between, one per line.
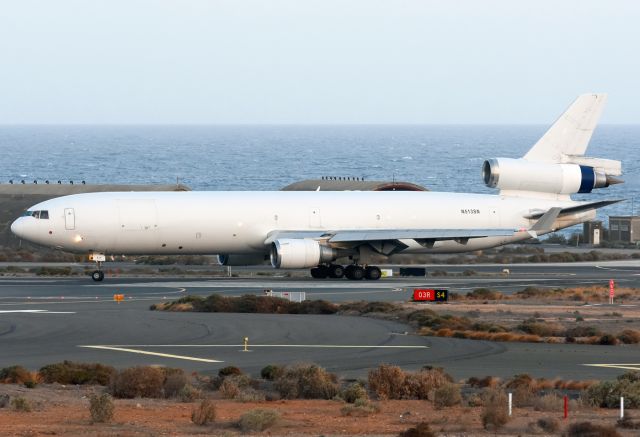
49 320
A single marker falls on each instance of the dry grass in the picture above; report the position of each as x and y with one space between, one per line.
204 413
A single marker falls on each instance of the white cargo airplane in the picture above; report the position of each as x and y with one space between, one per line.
315 229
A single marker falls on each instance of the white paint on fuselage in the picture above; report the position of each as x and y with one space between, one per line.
239 222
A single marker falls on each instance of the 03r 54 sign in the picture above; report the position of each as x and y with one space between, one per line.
430 295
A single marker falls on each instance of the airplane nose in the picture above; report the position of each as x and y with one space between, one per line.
18 227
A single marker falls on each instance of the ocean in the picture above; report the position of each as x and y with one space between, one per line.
268 157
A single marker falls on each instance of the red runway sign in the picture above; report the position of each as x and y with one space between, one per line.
430 295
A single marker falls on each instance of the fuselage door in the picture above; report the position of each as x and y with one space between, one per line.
69 219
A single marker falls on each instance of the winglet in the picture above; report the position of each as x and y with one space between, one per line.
545 223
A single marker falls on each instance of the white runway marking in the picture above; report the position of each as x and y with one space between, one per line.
37 312
327 346
616 366
157 354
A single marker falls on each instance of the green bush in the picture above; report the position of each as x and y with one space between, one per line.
258 420
69 372
307 382
204 413
229 371
271 372
606 394
353 392
447 395
101 408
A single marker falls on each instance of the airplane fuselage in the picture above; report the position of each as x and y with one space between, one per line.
239 222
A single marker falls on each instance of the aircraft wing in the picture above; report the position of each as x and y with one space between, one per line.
369 235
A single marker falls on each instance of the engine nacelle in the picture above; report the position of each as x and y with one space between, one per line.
298 253
522 175
243 260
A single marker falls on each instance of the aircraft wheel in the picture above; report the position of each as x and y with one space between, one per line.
97 275
319 272
372 273
355 273
336 271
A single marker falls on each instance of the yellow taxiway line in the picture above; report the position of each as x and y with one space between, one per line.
157 354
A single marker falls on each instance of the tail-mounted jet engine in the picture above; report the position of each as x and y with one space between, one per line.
522 175
291 253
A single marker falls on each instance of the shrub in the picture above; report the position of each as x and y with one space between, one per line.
629 336
69 372
549 425
258 420
353 392
543 329
30 384
308 382
189 393
101 408
175 380
447 395
548 402
607 394
271 372
250 394
15 375
494 413
420 430
487 381
232 386
229 371
608 340
388 382
583 331
484 294
4 400
21 404
360 408
204 413
588 429
143 381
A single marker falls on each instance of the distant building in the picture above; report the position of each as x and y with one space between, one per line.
624 228
592 232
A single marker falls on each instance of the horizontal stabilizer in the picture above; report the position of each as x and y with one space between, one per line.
576 209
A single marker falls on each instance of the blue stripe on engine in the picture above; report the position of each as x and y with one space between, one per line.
588 179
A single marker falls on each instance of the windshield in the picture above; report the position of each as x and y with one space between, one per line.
37 214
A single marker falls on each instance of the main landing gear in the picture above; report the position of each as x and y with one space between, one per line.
98 258
353 271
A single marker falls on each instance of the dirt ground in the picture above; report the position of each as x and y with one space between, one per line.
64 411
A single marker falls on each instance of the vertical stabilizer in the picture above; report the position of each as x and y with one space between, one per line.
570 134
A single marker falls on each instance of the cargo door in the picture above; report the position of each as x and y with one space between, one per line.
69 219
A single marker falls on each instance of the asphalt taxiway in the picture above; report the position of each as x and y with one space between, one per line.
49 320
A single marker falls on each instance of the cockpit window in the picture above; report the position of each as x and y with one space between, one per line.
37 214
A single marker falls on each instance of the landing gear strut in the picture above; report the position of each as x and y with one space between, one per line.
354 272
98 258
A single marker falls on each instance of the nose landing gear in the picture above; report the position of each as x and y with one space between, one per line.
98 258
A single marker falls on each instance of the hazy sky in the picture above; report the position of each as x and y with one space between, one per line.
303 61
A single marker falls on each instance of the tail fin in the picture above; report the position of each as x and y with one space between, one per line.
570 134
